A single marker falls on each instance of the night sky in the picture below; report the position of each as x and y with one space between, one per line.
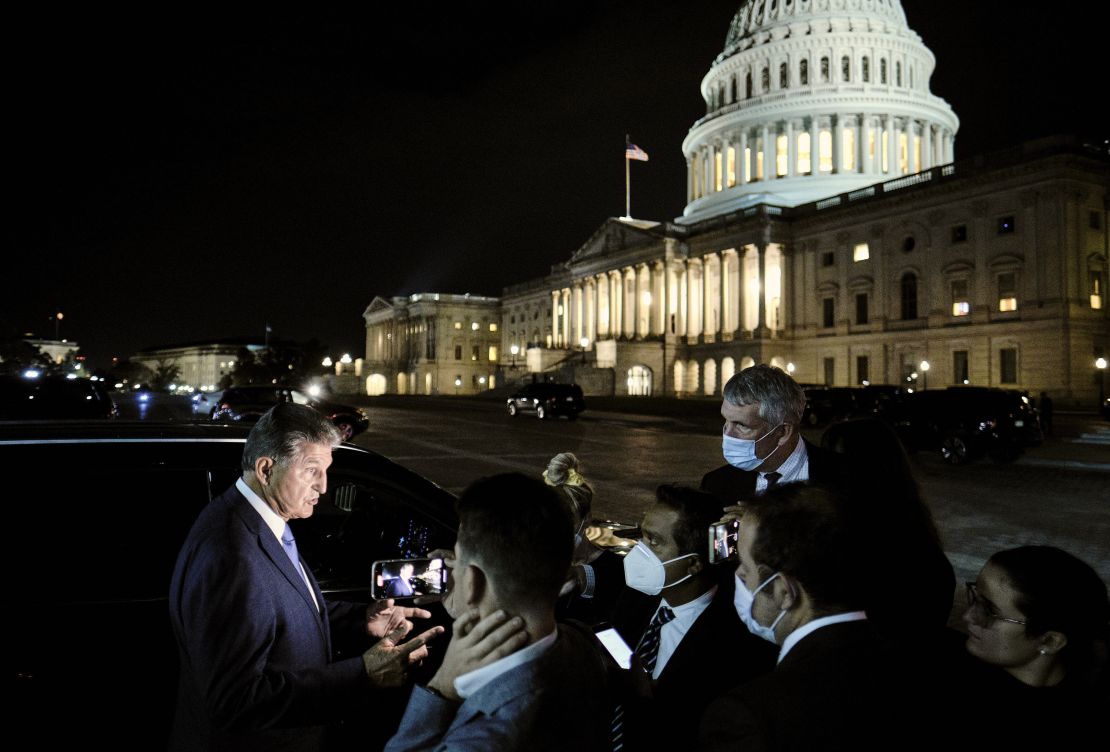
178 178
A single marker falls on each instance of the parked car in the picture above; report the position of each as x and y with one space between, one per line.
547 399
965 422
204 403
249 403
53 398
100 510
832 403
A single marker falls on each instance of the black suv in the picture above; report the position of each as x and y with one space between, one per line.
248 403
98 513
52 398
546 399
965 422
834 403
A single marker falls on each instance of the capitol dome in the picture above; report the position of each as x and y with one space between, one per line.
812 98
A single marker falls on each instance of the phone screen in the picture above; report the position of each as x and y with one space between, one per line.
408 578
722 540
616 646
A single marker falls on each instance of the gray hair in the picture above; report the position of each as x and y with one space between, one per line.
284 431
780 398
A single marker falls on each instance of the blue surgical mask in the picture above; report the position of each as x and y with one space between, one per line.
740 453
743 600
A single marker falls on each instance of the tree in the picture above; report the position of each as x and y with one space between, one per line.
17 355
165 373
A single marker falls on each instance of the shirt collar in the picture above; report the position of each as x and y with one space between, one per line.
695 606
796 636
468 684
269 516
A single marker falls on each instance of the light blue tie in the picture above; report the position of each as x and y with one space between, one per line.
290 546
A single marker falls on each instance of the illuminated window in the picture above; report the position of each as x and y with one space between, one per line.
759 164
493 353
861 252
917 141
885 137
903 153
493 326
803 73
871 144
824 151
731 170
848 149
804 162
458 325
961 306
1096 289
717 175
747 164
474 325
1007 292
782 157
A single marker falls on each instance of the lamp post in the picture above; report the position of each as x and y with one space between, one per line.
458 383
585 343
514 350
1100 364
57 320
924 375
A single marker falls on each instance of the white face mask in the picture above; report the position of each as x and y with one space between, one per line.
743 599
740 453
644 572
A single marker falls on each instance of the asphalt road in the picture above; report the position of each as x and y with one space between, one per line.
1057 494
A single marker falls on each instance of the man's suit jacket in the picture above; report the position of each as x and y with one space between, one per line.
834 690
731 485
716 653
558 702
255 651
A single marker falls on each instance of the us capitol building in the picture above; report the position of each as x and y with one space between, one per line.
829 229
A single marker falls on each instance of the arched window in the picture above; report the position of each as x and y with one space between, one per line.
845 68
867 70
824 70
898 74
733 88
765 79
784 76
803 73
909 296
882 71
721 96
748 85
639 381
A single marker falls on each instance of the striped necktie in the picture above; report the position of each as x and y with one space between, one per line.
648 649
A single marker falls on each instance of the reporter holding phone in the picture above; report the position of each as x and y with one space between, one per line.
512 677
677 611
254 632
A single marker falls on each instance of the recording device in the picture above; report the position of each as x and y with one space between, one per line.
612 641
722 540
408 578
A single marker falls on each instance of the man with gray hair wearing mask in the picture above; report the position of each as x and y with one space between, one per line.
762 409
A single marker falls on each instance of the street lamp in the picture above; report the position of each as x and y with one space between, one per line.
1100 364
924 375
514 350
57 319
458 383
585 343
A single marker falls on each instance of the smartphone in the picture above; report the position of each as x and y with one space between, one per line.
722 540
615 644
408 578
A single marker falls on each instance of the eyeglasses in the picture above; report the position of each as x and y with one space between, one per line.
983 609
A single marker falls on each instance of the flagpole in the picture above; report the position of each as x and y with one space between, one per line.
627 181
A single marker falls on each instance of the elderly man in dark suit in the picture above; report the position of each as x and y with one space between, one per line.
512 678
762 407
254 631
691 646
833 689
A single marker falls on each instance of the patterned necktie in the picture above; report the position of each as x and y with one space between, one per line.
648 649
772 479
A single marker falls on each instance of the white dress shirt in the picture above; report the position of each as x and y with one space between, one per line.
469 683
670 636
794 469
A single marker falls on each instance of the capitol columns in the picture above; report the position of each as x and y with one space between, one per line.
659 298
742 159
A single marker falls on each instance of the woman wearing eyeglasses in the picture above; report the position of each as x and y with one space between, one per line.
1037 625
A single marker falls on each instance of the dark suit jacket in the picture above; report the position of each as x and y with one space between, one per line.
717 653
558 702
911 583
833 691
255 651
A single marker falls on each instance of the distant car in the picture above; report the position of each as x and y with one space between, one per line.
54 398
249 403
965 422
547 399
833 403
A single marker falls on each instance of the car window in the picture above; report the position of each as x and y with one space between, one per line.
300 398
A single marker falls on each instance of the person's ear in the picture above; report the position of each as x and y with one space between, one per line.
696 566
263 470
786 592
476 586
1052 642
788 430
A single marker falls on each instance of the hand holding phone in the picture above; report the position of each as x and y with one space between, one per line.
408 578
615 644
722 540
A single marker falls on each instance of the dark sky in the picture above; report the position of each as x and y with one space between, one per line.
176 178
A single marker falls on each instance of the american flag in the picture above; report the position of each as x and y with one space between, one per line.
635 152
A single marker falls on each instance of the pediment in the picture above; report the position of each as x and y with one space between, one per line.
617 235
378 305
